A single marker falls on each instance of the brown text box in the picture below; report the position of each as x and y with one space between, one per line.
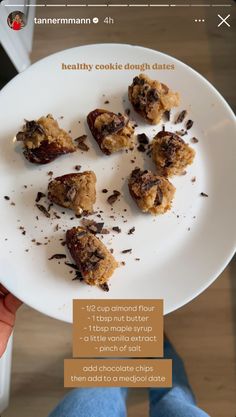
118 328
117 373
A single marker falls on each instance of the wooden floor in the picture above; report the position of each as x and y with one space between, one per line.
204 331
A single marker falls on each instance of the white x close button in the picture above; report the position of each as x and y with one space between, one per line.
223 20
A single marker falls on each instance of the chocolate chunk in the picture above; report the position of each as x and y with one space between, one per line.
6 197
43 210
116 229
78 167
141 148
104 287
143 139
39 196
104 190
57 256
112 198
189 124
181 116
204 194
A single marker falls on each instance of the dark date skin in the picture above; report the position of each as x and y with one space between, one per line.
45 153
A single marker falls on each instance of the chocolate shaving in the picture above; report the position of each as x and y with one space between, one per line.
204 194
146 186
167 115
189 124
126 251
78 276
57 256
43 210
80 143
113 197
181 116
158 198
39 196
56 215
94 227
73 266
131 231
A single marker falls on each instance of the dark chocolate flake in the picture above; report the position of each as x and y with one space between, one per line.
126 251
203 194
43 210
189 124
113 197
131 231
116 229
181 116
80 143
57 256
73 266
39 196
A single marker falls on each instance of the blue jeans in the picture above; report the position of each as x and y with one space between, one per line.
177 401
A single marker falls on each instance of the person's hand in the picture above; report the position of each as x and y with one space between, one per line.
9 305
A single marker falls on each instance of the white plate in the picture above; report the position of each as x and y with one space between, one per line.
182 252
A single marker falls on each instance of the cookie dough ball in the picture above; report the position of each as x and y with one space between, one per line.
74 191
171 154
152 194
151 99
93 259
44 140
113 132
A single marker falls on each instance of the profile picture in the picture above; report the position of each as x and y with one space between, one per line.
16 20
